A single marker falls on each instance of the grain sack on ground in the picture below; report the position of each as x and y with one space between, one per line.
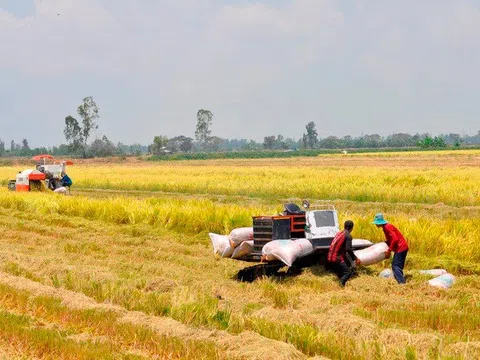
60 190
444 281
433 272
221 245
386 274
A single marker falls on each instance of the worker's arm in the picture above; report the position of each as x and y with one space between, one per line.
348 249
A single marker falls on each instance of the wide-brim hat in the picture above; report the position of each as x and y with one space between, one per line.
379 220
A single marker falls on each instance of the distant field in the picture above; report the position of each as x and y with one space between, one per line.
426 177
124 268
293 153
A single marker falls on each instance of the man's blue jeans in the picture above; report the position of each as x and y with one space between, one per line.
398 263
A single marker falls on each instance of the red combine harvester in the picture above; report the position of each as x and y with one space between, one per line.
47 174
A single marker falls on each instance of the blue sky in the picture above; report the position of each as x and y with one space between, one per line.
262 67
20 8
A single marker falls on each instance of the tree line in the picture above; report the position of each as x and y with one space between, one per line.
79 131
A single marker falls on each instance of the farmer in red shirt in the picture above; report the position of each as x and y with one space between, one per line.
396 243
340 257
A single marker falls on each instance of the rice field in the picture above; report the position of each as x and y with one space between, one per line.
124 269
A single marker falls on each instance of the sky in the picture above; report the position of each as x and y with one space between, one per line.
262 67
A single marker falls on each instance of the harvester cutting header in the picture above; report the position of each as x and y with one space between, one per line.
48 174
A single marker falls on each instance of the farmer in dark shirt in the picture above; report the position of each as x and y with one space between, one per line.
66 181
396 243
340 255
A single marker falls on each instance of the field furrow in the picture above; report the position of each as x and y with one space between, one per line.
71 308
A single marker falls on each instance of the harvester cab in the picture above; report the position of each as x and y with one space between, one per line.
321 224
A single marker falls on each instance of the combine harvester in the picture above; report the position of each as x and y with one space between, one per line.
46 175
296 238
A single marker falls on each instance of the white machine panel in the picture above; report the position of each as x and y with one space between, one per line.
321 224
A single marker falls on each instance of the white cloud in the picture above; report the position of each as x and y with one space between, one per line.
429 43
48 43
253 63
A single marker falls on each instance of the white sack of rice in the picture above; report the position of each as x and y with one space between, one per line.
239 235
373 254
287 251
444 281
386 274
60 190
243 249
433 272
221 245
361 242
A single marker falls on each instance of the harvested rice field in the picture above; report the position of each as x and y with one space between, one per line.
123 267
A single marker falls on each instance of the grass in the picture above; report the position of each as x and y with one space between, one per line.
111 338
21 331
142 261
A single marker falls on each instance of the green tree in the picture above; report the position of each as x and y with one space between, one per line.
77 134
347 141
25 145
372 141
426 141
310 139
88 111
186 145
159 145
456 139
202 132
2 148
25 148
250 145
213 143
73 133
269 142
439 142
280 143
400 140
102 147
180 143
331 142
